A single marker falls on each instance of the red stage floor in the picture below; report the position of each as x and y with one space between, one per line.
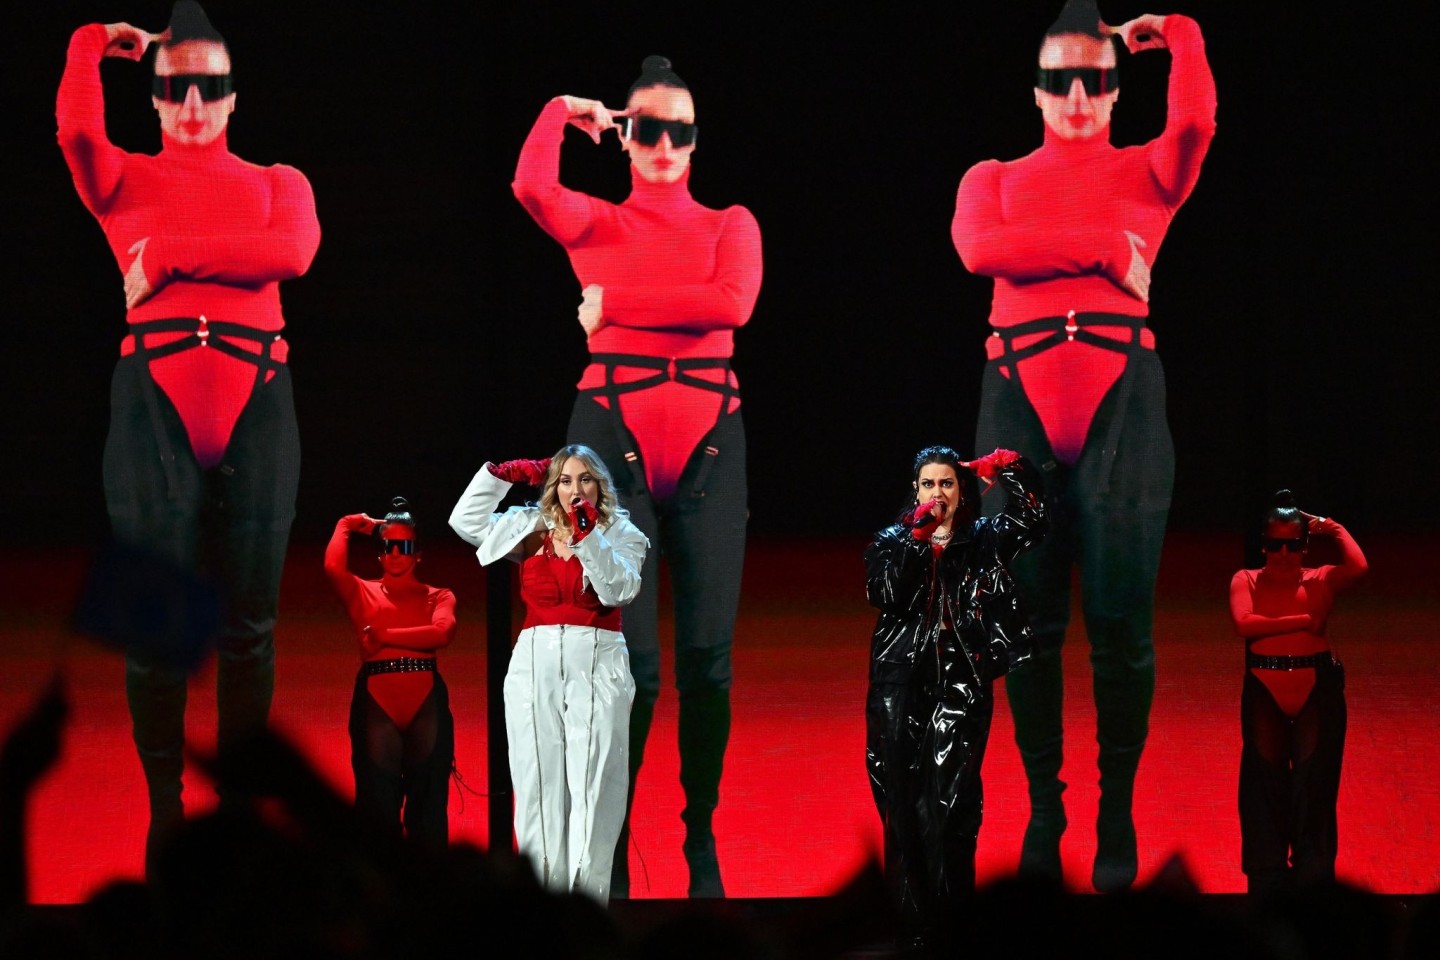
796 817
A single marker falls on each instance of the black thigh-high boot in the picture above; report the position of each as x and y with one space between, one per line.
245 667
251 504
1036 692
704 733
1123 693
1118 572
703 537
156 693
157 512
1122 499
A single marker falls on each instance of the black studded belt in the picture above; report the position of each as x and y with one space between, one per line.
398 665
1257 661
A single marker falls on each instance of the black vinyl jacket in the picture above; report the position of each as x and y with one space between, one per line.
927 713
970 588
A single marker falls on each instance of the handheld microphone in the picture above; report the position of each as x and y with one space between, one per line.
582 517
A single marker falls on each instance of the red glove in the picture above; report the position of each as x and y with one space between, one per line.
988 466
522 471
923 520
583 517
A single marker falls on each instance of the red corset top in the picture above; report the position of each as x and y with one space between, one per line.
555 594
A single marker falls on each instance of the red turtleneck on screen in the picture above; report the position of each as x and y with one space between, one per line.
678 279
1050 229
222 233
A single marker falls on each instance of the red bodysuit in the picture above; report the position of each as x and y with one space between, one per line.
1282 613
220 234
1050 228
678 279
407 617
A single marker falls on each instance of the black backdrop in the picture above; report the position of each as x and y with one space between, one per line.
1293 300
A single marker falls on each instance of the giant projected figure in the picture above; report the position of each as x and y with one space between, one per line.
1069 232
666 283
203 457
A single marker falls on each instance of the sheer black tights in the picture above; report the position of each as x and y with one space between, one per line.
402 776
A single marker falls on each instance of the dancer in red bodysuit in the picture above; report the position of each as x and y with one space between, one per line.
666 283
1069 233
1292 708
402 736
202 458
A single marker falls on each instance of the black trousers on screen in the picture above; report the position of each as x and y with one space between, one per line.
700 530
1108 514
231 523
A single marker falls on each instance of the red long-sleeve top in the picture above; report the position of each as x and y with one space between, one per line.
221 234
678 280
1050 229
406 618
1284 613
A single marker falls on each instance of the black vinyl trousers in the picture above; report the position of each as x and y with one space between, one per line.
403 776
700 530
926 741
1108 513
232 523
1290 781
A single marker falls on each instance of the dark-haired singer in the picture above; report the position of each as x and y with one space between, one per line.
203 455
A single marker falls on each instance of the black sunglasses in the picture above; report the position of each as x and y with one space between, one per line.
1097 80
405 547
1275 544
648 131
175 87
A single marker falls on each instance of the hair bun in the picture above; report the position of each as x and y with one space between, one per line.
400 512
1283 499
189 22
656 71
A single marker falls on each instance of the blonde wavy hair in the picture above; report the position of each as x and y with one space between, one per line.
606 505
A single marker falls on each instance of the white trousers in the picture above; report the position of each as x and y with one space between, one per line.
567 709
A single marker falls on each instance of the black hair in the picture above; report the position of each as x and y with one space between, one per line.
969 488
1284 510
1077 16
937 454
655 72
400 513
189 22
